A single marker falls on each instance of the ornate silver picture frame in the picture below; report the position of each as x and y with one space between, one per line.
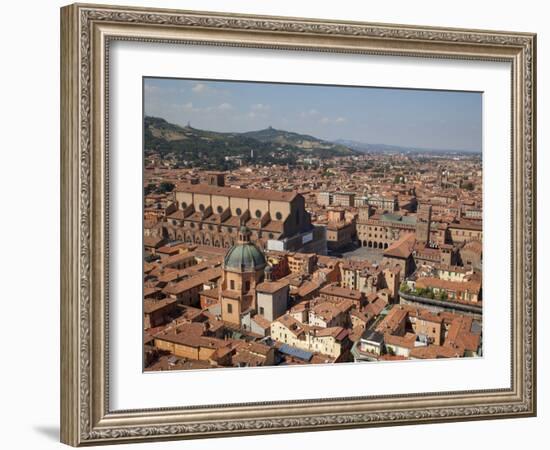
87 32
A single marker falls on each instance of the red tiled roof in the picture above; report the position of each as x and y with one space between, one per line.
257 194
402 248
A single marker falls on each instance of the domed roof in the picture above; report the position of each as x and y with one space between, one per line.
244 257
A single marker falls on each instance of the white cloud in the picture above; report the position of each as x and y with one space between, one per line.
199 88
190 107
309 113
328 120
260 107
258 111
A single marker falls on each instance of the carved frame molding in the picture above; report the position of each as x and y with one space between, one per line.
86 32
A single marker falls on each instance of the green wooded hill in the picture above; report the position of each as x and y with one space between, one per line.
215 150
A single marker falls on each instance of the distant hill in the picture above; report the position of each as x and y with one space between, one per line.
364 147
302 141
211 149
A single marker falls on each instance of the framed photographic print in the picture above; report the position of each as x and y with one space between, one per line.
276 224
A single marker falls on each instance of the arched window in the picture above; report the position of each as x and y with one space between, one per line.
278 215
239 211
219 209
183 205
258 213
201 207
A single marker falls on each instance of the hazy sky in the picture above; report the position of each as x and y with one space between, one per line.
412 118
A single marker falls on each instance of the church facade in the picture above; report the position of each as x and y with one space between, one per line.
212 214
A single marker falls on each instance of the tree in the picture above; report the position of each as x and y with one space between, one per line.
166 187
149 188
469 186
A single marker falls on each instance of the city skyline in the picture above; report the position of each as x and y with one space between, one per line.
420 119
278 247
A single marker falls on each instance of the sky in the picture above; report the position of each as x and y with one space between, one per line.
442 120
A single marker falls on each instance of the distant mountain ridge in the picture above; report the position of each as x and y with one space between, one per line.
269 144
364 147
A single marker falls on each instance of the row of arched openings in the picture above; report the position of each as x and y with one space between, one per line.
374 244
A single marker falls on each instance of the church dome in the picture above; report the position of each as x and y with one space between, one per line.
244 256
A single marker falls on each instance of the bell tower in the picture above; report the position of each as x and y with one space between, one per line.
243 269
423 221
244 235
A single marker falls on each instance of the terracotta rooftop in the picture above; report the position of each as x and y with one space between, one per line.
434 352
402 248
257 194
393 320
150 306
467 225
338 291
406 341
457 286
271 287
190 283
337 333
261 321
